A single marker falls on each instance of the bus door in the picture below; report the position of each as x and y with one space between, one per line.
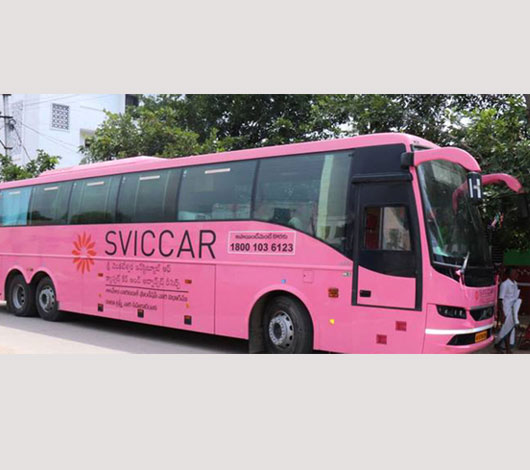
387 271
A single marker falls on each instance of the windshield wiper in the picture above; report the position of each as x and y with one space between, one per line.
461 267
446 265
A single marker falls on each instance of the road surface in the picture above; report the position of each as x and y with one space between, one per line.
84 334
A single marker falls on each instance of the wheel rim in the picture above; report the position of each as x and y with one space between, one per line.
19 296
47 299
281 330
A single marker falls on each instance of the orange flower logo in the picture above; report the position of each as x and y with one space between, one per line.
84 252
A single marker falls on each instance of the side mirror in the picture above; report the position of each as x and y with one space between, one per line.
523 206
474 183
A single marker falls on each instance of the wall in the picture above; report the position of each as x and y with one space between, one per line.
33 128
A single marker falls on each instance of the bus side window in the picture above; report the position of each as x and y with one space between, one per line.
217 192
148 196
308 193
170 198
386 228
287 191
49 204
149 205
93 200
15 206
126 198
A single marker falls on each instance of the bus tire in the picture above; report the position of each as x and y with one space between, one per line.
46 300
287 327
21 297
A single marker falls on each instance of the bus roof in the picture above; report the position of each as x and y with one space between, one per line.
145 163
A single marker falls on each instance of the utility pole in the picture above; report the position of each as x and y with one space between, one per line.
7 118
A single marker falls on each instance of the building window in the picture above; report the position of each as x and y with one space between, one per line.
60 116
132 100
85 137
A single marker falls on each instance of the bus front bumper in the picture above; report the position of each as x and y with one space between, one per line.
458 341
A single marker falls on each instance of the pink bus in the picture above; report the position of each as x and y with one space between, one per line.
371 244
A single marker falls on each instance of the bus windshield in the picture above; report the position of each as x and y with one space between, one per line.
454 226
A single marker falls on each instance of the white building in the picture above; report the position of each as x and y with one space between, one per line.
57 124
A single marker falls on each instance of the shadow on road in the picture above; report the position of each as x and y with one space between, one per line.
124 336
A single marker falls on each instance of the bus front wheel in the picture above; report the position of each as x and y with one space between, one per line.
46 300
21 297
287 327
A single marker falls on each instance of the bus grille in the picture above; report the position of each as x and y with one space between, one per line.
484 313
466 339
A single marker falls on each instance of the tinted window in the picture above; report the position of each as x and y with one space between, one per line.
308 193
386 228
149 196
217 192
93 200
14 206
378 159
49 204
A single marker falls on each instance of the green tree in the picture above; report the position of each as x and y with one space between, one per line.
144 131
499 137
429 116
10 171
176 125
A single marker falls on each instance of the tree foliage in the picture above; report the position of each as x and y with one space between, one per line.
177 125
144 132
10 171
500 140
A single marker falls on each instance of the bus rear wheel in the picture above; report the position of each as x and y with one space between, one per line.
287 327
46 300
21 297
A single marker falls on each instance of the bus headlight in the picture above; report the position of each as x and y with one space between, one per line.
451 312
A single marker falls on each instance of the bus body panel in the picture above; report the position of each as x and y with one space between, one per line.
119 279
383 290
195 300
237 283
329 315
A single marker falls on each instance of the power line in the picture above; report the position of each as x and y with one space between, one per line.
53 140
46 100
62 100
56 139
32 105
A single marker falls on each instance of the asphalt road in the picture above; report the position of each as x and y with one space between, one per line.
84 334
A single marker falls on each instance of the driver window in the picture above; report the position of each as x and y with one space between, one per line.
386 229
